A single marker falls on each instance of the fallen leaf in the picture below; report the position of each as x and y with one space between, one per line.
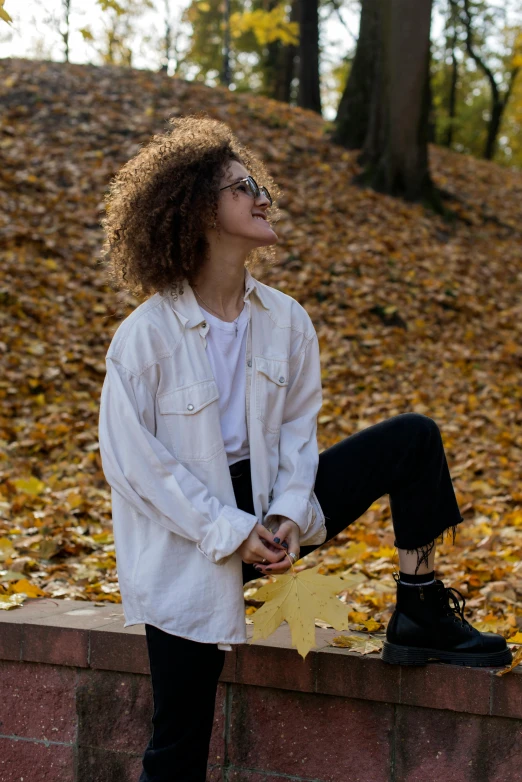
7 602
24 586
29 485
370 625
517 659
357 644
516 639
300 598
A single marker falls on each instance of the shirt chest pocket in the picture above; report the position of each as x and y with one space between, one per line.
271 387
191 415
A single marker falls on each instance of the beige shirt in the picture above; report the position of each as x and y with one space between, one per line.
176 523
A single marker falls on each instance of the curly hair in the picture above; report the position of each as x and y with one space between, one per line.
161 200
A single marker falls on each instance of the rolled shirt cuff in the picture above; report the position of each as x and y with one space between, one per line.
226 534
294 507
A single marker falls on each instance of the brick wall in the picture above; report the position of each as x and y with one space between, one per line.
76 706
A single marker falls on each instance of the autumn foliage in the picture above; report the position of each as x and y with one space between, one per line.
414 312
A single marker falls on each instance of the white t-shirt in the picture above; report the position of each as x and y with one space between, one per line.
227 355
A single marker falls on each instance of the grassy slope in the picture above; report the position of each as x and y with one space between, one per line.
413 313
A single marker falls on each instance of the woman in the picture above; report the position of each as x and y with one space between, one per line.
208 439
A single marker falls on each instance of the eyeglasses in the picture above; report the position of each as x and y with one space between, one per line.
252 186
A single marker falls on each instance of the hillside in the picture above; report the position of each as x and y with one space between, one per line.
413 313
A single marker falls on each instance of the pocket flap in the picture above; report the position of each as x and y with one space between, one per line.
188 400
276 369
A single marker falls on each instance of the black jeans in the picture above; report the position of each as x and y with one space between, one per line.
402 456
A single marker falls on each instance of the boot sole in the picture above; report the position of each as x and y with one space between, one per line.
411 655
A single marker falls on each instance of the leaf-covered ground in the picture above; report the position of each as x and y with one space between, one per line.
413 313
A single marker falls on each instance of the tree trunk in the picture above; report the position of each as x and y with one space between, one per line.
65 35
351 123
452 99
497 110
288 65
309 95
498 101
225 75
167 39
278 66
431 121
395 152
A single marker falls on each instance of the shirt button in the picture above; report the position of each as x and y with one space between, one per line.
249 362
281 380
204 324
190 407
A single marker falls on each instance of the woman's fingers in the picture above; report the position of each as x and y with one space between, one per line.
275 568
266 535
267 549
271 556
289 530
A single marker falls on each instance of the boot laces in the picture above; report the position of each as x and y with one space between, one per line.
447 594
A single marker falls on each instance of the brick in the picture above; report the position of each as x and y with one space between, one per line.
442 686
114 710
216 774
118 648
10 641
102 765
37 701
63 637
216 754
506 695
271 666
34 609
341 672
55 645
434 744
34 762
319 737
273 662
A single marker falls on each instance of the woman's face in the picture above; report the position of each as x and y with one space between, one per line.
237 209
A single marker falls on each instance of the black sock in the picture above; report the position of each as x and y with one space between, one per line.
425 578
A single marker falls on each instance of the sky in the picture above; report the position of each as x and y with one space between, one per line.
35 34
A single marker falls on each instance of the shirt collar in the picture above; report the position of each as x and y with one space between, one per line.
187 308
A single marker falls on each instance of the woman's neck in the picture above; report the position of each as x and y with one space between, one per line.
221 292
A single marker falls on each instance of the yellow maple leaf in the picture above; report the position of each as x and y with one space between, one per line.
300 598
516 639
24 586
357 616
370 625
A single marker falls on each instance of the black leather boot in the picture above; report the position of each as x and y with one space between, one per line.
424 626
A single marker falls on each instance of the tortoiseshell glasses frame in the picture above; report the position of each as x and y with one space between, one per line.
252 186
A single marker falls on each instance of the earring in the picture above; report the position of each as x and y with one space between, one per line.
214 224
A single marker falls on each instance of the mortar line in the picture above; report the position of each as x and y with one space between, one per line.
393 739
277 774
46 742
227 710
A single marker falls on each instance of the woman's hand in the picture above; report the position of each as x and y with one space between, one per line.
260 545
287 534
